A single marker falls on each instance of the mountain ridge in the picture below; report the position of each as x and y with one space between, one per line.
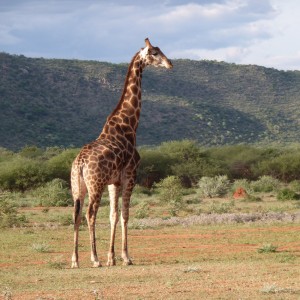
58 102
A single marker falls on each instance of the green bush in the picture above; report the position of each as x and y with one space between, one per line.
41 247
214 186
295 185
20 174
142 211
267 248
285 166
242 183
5 154
189 162
171 192
31 152
154 166
251 198
141 190
9 216
66 220
287 194
265 184
54 193
221 208
60 165
239 161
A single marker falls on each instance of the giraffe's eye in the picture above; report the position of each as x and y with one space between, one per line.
153 52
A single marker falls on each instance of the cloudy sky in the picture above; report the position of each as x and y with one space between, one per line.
262 32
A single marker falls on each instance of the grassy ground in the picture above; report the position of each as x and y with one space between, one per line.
224 260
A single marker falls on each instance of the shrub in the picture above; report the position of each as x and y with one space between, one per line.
59 265
238 160
153 167
267 248
142 211
9 216
265 184
54 193
222 208
138 189
189 162
20 174
59 166
242 183
41 247
295 185
31 152
171 192
251 198
287 194
285 166
214 186
66 220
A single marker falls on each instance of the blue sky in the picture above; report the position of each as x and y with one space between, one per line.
262 32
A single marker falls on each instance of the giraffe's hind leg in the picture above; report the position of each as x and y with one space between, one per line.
78 196
91 214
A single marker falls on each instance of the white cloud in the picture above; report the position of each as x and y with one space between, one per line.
241 31
229 54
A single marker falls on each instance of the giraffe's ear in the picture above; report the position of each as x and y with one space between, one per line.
148 44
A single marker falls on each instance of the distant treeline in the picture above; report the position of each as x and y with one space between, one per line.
32 166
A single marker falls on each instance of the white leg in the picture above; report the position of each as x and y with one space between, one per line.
124 223
114 192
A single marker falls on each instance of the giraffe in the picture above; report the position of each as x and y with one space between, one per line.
112 160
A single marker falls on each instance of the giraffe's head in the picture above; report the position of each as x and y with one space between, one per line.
154 56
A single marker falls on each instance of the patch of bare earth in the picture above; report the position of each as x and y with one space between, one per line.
178 263
177 281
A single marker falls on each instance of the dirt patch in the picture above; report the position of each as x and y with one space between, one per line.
240 193
218 262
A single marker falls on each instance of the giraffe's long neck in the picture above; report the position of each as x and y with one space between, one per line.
123 121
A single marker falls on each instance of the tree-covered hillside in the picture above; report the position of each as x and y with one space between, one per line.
49 102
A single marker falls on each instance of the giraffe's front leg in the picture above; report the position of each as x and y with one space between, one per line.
114 191
124 223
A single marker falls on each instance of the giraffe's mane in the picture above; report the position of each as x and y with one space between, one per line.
124 88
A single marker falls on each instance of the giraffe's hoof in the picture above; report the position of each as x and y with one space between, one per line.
127 262
96 264
111 262
74 265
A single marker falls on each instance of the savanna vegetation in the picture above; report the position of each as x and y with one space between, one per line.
187 231
40 177
34 167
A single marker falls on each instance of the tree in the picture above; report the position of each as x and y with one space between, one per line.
171 192
59 166
154 166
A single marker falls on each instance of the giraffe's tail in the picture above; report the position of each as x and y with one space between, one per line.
76 210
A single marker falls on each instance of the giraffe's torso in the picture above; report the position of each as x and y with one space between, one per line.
104 162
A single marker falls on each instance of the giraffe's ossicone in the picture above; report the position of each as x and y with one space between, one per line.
112 160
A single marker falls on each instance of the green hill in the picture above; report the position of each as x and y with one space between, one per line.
49 102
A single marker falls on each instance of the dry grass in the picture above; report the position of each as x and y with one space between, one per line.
210 255
170 263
